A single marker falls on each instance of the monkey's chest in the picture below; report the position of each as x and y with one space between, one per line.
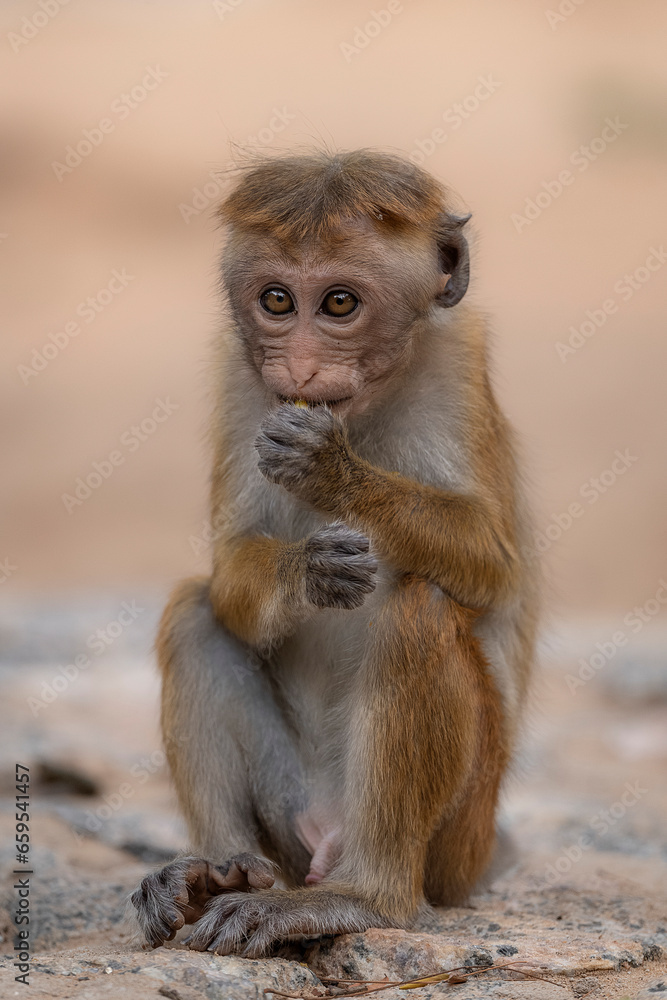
317 668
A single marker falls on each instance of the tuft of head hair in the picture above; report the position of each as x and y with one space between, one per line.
296 198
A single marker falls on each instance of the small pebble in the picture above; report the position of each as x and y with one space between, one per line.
585 985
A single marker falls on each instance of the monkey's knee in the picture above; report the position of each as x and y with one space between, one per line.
426 618
185 612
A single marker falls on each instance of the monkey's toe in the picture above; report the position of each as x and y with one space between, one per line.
230 920
246 871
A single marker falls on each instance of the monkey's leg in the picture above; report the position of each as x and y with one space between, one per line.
429 724
234 766
467 845
424 715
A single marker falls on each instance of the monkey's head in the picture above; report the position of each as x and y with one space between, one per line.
329 263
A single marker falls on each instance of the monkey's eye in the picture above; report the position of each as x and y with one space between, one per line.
277 301
339 303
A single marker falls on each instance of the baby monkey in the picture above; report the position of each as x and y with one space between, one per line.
341 696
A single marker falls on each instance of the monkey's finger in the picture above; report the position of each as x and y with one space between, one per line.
259 880
157 928
162 927
138 897
344 588
319 415
193 870
272 472
343 597
316 416
362 580
291 424
182 898
259 874
351 546
234 880
221 877
155 911
152 894
177 920
349 561
268 448
338 538
287 418
349 587
248 871
279 435
349 567
281 471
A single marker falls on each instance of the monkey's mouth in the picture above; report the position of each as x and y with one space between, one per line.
313 402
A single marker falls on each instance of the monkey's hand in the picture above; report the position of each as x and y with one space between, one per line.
179 893
250 925
304 450
339 568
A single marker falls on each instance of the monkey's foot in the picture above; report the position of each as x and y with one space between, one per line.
179 893
251 924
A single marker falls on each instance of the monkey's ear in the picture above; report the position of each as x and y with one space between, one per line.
454 258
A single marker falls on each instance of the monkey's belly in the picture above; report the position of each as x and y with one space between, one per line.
316 669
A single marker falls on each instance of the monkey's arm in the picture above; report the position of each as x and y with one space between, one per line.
255 588
455 541
263 587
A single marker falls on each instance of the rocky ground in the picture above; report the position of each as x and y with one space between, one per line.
585 906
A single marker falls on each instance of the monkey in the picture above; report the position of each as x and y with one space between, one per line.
342 694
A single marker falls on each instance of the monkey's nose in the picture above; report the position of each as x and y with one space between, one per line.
302 372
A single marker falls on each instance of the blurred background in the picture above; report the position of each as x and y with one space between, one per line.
513 95
119 121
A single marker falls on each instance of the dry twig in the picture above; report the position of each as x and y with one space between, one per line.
459 974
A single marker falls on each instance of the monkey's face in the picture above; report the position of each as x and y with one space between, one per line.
332 323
